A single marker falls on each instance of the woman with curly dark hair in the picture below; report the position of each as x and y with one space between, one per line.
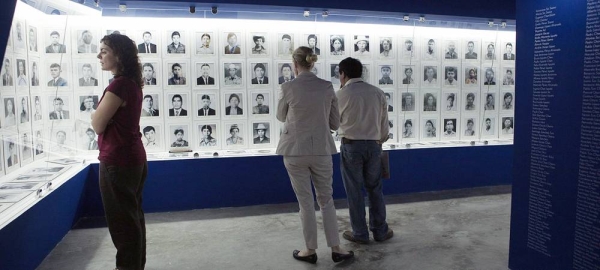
123 165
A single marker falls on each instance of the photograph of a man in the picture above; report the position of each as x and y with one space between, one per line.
286 45
148 108
450 76
260 108
33 43
232 44
7 78
232 76
450 127
488 128
430 75
179 141
260 133
286 73
204 47
490 79
408 102
408 76
12 159
177 110
87 79
471 54
92 143
430 50
386 71
205 78
509 55
259 74
56 80
361 45
58 113
470 105
176 47
451 50
234 105
19 36
55 45
149 74
389 102
147 46
150 135
206 110
259 44
85 43
177 75
35 77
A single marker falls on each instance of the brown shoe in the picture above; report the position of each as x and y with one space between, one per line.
387 236
348 235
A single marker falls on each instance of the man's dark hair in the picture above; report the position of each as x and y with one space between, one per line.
148 129
351 67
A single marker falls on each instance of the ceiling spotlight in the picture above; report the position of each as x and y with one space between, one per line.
123 8
422 19
214 10
406 18
491 23
503 24
192 9
306 13
325 13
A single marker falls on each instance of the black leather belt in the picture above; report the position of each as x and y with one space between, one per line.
348 141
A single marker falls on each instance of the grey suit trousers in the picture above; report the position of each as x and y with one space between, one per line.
320 168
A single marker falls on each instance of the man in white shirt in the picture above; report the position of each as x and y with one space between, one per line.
363 129
177 110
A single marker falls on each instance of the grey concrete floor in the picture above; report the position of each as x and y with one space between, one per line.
461 229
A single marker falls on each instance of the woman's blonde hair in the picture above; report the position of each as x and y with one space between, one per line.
304 57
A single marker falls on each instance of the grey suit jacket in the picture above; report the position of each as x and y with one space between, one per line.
309 108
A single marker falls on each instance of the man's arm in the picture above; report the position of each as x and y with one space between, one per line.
282 106
385 128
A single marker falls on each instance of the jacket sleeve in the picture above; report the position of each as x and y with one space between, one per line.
334 114
282 106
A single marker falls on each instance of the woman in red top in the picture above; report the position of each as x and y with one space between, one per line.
123 166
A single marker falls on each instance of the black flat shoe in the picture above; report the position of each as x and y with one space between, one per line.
309 259
338 257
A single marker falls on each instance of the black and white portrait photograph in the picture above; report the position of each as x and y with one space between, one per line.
175 42
258 44
489 76
38 142
150 73
430 49
58 74
87 139
392 138
152 137
208 135
260 74
146 42
205 43
285 44
471 50
409 76
19 37
179 102
337 45
10 111
207 104
32 34
21 80
450 102
37 108
386 75
507 101
366 73
334 73
261 133
386 51
508 77
231 43
509 52
489 101
233 103
408 49
470 98
285 72
469 127
408 101
312 41
59 107
23 111
489 126
87 106
232 74
430 100
451 50
205 74
430 76
430 128
389 100
150 105
34 73
471 76
490 50
234 134
361 46
451 77
7 72
260 102
409 128
449 127
508 125
179 135
12 159
87 42
87 74
55 41
177 73
62 139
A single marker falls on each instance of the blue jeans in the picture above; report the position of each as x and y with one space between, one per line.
361 167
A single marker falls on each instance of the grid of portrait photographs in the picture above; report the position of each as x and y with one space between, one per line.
213 85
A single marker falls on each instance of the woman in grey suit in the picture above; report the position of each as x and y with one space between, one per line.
309 108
